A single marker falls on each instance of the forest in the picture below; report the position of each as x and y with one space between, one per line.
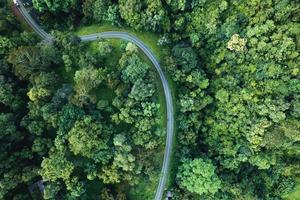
87 120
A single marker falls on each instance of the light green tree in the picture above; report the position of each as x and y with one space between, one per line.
141 90
56 167
87 139
87 79
134 69
104 48
198 176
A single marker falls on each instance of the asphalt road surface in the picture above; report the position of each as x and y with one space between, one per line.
167 92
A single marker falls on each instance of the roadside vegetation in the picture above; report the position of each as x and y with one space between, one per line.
88 119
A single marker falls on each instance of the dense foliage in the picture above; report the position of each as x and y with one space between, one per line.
86 119
52 5
198 176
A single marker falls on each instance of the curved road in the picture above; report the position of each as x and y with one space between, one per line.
167 92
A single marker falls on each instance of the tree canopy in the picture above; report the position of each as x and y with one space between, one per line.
88 120
198 176
53 5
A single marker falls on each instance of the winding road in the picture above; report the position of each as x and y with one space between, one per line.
167 92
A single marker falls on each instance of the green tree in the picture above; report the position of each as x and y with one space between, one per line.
134 69
28 60
113 15
88 139
9 95
185 57
87 79
141 90
100 8
75 187
155 17
123 158
131 11
56 167
104 48
5 45
7 125
198 176
53 5
51 190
